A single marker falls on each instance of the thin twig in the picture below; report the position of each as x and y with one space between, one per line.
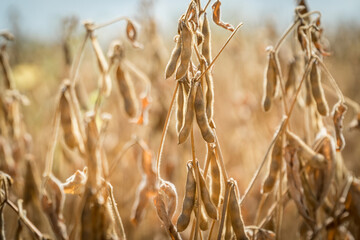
332 81
116 212
26 221
222 49
51 149
197 175
221 158
204 10
74 71
348 100
283 200
223 213
166 126
120 155
264 197
278 132
283 37
94 27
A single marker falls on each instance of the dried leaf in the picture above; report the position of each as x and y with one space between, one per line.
131 34
145 100
76 182
217 19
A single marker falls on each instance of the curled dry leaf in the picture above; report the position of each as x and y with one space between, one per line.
76 182
338 117
145 101
355 124
217 19
131 34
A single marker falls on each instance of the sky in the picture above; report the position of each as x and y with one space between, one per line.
40 19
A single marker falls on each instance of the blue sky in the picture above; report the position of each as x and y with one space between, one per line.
40 19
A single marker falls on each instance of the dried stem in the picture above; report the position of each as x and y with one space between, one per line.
211 229
222 49
282 200
204 10
220 157
332 81
51 149
93 28
116 212
74 71
348 100
26 221
251 184
223 213
120 155
197 175
264 197
279 214
287 32
166 126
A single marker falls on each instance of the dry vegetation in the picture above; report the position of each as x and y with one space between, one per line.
111 152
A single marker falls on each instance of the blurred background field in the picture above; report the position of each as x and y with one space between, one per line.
245 131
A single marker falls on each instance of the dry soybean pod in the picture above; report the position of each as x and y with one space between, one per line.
163 215
201 118
317 90
294 184
204 225
127 91
275 164
140 203
186 50
338 117
235 214
67 121
175 54
169 189
270 81
205 196
304 151
180 107
308 94
206 47
189 114
215 183
189 200
103 66
291 80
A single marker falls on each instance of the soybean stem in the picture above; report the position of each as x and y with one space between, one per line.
222 49
223 213
283 124
197 175
166 126
283 37
108 23
220 155
26 221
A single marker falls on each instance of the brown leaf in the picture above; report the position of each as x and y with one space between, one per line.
131 34
145 106
217 18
